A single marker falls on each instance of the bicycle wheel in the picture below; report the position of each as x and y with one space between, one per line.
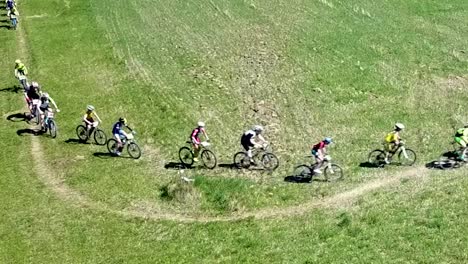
112 146
209 159
303 172
333 173
377 157
134 150
52 128
406 160
270 161
446 163
81 133
241 160
186 156
100 137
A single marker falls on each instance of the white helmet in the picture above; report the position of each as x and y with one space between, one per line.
35 85
17 61
399 126
201 124
46 95
257 128
90 108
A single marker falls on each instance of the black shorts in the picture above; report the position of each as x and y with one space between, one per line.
245 142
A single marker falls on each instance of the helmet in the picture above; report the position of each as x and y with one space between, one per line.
466 124
257 128
35 85
17 61
123 120
46 95
90 108
399 126
201 124
328 140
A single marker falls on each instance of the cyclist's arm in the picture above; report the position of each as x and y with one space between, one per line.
53 102
16 73
262 139
99 119
86 120
206 135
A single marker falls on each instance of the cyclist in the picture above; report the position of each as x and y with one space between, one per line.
319 151
461 137
44 107
248 141
10 4
392 140
20 73
195 138
88 118
33 93
119 133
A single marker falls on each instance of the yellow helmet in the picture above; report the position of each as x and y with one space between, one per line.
17 61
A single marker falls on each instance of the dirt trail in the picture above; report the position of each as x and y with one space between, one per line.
54 182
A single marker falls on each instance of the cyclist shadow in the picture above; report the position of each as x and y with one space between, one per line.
34 132
370 165
107 155
77 141
296 179
231 166
5 26
435 164
18 117
14 89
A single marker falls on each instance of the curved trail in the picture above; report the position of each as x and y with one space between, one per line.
55 183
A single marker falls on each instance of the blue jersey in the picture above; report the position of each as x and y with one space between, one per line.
117 128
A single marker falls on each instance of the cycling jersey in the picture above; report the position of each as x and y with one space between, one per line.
117 129
462 132
318 146
21 68
392 137
246 139
33 94
195 136
89 116
44 103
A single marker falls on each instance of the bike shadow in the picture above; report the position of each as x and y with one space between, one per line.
18 117
231 166
177 166
107 155
435 164
5 26
297 179
77 141
34 132
13 89
370 165
4 20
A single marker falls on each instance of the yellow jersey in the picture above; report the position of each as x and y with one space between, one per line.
392 137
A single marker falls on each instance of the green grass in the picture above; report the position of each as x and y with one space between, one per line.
304 69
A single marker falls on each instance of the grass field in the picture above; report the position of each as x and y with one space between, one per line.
303 69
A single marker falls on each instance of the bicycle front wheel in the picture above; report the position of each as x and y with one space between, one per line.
406 157
209 159
270 161
81 133
186 156
333 173
52 128
303 172
100 137
134 150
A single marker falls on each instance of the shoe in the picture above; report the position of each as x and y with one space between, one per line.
387 161
317 171
118 153
195 159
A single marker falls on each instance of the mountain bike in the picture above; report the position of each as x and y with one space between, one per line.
451 159
406 156
261 156
49 124
187 155
99 136
333 172
132 147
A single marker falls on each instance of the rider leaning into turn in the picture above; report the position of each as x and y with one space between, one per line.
319 151
88 118
392 140
44 107
119 133
461 137
248 141
195 138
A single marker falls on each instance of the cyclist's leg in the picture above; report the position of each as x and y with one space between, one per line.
117 138
318 161
196 149
388 149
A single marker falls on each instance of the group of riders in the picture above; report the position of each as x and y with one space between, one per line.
250 140
12 11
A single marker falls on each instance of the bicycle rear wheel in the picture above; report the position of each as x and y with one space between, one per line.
241 160
134 150
302 172
100 137
406 160
208 159
377 157
81 133
186 156
270 161
112 146
333 173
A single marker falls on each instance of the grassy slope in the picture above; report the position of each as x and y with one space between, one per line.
423 227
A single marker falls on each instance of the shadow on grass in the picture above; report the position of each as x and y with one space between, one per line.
5 26
107 155
177 166
14 89
370 165
34 132
231 166
77 141
18 117
298 179
451 162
